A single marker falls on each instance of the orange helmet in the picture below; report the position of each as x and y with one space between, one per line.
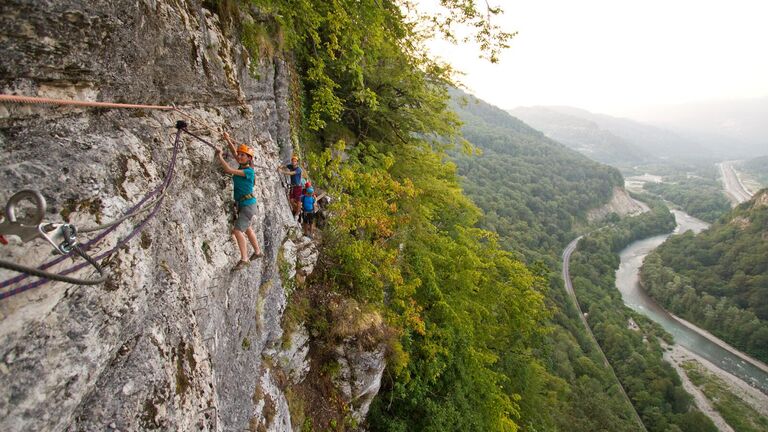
245 149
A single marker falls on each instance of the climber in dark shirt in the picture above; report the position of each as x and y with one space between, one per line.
294 170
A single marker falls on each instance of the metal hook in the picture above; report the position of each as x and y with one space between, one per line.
61 236
33 220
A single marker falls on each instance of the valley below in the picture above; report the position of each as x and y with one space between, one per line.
738 373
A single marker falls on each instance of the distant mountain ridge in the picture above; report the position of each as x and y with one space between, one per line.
582 135
735 128
612 140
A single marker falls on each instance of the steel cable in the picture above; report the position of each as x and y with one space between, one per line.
54 276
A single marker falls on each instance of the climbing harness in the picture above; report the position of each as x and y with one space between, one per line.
62 237
245 197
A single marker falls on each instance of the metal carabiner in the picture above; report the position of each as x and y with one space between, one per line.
61 236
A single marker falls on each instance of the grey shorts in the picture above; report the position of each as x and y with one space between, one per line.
244 216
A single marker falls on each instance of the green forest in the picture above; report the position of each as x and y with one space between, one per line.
719 279
534 191
589 397
699 194
516 175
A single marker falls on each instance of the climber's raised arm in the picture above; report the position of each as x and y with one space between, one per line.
226 167
231 144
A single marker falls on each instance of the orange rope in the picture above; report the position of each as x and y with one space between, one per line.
49 101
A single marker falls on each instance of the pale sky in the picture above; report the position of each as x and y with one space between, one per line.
615 56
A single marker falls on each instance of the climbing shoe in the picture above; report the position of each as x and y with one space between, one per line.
240 265
256 255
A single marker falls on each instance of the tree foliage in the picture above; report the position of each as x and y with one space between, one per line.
403 237
535 194
699 195
338 43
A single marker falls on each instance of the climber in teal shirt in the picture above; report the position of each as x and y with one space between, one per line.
243 181
243 188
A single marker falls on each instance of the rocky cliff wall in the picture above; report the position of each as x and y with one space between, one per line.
621 203
173 340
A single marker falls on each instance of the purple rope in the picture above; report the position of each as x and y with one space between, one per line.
90 243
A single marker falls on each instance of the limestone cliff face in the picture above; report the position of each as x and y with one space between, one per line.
621 203
173 340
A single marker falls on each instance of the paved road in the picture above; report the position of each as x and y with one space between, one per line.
733 186
569 288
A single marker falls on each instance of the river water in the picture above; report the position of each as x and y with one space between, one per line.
627 281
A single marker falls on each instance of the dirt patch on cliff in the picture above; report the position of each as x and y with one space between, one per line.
315 403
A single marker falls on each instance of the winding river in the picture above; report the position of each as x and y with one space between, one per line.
627 281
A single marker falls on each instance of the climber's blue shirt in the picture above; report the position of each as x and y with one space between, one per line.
244 186
296 177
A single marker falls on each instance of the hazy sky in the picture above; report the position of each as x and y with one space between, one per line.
613 56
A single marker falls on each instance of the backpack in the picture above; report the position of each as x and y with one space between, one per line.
308 203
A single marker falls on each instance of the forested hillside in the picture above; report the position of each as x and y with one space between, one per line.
532 189
698 190
534 192
719 278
